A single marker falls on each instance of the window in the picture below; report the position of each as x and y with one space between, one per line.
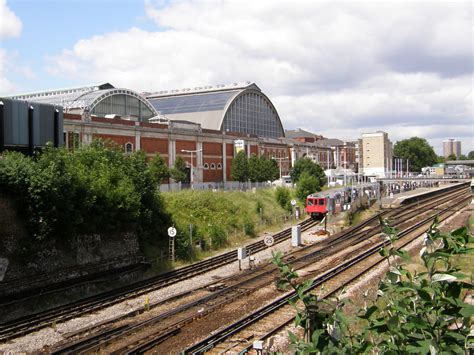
213 166
206 166
321 202
128 147
219 166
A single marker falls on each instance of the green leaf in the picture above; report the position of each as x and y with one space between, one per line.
383 252
467 310
370 311
293 337
392 323
403 254
424 295
443 277
298 319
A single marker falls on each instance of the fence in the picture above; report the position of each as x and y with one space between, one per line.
225 186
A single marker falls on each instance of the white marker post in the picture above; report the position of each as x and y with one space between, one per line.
171 233
241 255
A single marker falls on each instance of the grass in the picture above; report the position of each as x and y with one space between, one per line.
221 219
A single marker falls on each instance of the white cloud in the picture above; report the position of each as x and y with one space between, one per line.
337 67
6 86
10 24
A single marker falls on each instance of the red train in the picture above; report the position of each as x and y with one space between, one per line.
316 206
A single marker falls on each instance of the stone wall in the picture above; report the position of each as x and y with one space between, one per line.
23 260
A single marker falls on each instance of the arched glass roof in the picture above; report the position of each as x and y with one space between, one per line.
98 99
192 103
227 108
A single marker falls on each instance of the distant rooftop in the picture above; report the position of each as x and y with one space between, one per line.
202 89
299 133
61 92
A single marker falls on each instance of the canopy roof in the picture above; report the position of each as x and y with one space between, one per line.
81 98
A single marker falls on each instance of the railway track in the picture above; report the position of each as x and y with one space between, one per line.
187 313
280 309
94 303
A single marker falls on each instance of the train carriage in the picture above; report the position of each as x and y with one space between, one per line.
316 206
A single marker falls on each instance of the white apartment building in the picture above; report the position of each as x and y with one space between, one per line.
376 153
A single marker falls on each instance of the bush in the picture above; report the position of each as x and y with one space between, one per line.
249 228
413 313
283 197
94 189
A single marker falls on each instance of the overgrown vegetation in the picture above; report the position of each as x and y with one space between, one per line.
217 217
413 313
95 189
283 197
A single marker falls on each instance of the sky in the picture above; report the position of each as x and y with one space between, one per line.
337 68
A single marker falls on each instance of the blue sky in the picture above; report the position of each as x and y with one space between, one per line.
335 68
51 26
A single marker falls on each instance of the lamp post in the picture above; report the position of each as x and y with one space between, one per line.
192 172
279 163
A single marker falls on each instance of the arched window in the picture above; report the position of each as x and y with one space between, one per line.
128 147
219 166
213 166
206 166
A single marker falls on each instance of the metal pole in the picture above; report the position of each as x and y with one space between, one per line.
192 170
191 236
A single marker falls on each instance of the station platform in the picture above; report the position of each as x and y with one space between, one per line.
408 196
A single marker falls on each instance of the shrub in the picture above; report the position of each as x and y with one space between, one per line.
413 313
249 228
96 189
283 197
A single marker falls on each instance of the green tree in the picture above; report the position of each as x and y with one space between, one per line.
462 157
179 172
310 167
452 157
158 168
470 155
307 184
239 170
283 197
441 159
254 168
417 150
271 170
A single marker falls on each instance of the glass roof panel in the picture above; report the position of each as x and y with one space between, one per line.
192 103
